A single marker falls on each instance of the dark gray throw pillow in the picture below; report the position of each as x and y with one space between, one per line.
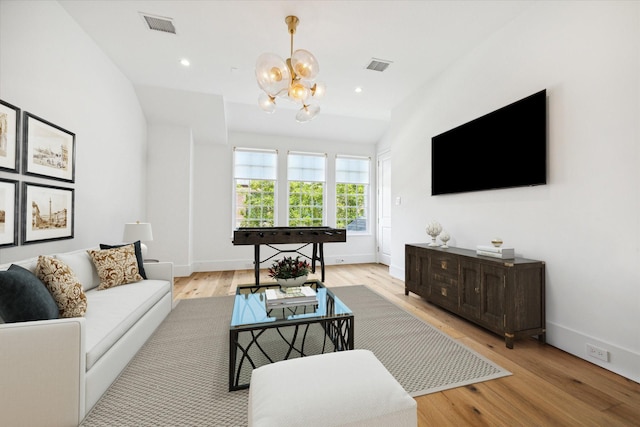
23 297
138 250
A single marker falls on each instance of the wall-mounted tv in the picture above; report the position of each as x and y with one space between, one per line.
505 148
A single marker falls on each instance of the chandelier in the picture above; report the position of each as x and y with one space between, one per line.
293 79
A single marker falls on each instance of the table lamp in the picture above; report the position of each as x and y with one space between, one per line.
134 231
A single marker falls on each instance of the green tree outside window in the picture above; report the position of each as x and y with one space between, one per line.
350 205
306 204
256 203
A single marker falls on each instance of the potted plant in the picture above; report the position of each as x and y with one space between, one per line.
290 271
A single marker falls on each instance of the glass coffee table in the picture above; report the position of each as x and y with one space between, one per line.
258 336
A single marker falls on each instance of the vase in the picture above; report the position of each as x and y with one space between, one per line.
294 281
433 229
444 236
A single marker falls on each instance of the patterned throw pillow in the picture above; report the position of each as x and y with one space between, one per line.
138 250
116 267
63 285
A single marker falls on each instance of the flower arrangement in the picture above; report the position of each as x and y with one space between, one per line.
289 268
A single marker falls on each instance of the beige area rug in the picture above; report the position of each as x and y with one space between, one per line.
180 377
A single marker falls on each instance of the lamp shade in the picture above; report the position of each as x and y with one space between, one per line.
272 74
267 102
134 231
304 64
307 113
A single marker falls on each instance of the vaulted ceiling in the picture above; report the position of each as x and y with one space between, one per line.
218 92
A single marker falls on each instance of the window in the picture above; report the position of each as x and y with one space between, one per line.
255 173
306 177
352 193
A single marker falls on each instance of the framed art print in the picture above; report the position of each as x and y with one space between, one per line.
8 212
9 126
47 213
49 150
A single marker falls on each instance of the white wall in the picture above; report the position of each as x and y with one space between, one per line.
51 68
213 186
170 195
585 222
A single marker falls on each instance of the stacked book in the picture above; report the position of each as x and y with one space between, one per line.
277 298
495 252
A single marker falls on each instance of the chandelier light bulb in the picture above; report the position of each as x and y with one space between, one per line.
304 64
267 103
318 90
275 75
307 113
298 91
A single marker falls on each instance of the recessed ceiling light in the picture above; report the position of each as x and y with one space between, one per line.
358 89
185 62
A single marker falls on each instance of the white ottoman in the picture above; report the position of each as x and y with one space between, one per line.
345 388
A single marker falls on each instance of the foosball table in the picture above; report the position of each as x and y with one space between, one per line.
305 236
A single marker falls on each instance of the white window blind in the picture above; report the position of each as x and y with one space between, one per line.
353 170
306 167
255 164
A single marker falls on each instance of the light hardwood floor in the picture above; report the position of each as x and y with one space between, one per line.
548 387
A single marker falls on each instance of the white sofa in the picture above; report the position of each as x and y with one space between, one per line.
52 372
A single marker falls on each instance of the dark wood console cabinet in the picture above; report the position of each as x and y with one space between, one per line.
505 296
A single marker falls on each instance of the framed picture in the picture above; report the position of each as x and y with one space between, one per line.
49 151
47 213
9 126
8 212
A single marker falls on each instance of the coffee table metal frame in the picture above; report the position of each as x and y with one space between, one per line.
338 329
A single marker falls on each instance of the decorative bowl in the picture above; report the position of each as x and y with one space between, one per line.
295 281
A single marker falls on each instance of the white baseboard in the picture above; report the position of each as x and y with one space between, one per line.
182 270
621 360
396 272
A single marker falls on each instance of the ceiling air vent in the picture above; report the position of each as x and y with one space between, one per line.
159 23
378 64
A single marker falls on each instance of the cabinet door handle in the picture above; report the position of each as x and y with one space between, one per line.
443 291
477 290
443 265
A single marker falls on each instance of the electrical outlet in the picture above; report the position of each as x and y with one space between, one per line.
339 260
597 352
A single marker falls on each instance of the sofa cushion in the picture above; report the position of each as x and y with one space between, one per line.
116 267
138 251
63 285
82 266
113 312
23 297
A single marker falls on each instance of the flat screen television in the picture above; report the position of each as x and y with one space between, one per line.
503 149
